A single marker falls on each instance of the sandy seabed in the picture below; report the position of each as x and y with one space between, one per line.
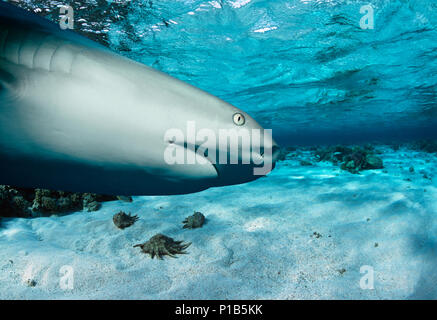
303 232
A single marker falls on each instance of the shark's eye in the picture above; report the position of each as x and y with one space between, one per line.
239 119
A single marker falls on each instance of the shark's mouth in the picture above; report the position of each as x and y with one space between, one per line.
193 165
205 156
204 165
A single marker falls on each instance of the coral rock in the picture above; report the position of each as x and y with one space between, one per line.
352 159
26 203
373 162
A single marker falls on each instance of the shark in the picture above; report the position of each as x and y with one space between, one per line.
76 116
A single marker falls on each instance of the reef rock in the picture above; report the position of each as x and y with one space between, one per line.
14 202
429 146
373 162
351 159
26 203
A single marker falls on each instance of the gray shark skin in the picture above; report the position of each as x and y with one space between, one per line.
76 116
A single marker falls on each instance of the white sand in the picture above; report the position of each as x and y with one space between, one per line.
258 242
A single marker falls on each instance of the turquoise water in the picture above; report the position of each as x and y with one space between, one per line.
305 69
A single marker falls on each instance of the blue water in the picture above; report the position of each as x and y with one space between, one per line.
307 70
304 68
315 76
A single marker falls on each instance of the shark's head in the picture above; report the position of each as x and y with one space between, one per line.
218 142
188 138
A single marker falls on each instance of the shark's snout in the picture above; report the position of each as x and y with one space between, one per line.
261 164
275 153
